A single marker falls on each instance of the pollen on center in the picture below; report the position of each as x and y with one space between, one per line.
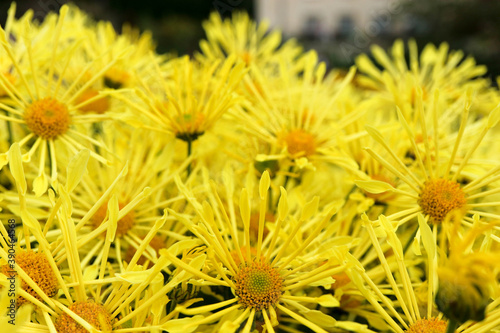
258 286
439 197
432 325
93 313
47 118
37 267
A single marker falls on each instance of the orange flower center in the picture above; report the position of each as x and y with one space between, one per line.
300 143
439 197
258 286
47 118
93 313
37 267
432 325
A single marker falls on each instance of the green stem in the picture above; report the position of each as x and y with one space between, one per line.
452 326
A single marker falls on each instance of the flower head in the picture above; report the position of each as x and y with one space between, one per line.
270 277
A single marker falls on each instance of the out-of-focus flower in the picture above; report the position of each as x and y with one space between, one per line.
295 117
246 39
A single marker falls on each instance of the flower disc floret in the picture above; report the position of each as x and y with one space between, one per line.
93 313
432 325
258 286
37 267
47 118
439 197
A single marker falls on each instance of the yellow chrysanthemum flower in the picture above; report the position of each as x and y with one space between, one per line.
293 116
397 302
141 185
45 106
432 183
191 99
248 40
398 81
268 277
90 294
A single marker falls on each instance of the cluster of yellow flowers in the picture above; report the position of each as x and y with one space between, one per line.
244 189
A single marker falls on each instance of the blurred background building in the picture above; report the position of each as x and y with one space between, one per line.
321 19
337 29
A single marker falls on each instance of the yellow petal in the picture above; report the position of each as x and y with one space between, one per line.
374 186
494 116
283 204
310 209
265 182
136 277
366 65
245 208
16 167
319 318
40 184
328 300
353 327
4 159
427 237
76 168
90 272
183 325
113 210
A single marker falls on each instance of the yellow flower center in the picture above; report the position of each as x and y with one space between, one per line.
432 325
258 286
93 313
47 118
300 143
124 224
439 197
37 267
99 105
189 126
